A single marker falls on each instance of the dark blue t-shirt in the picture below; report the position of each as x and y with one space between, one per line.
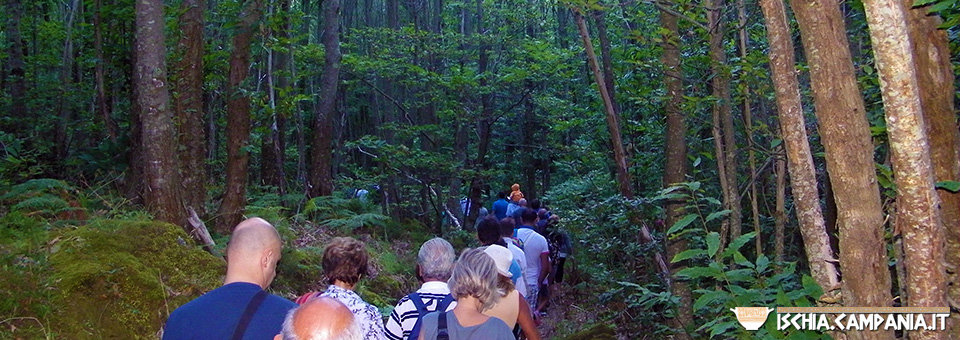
500 208
215 315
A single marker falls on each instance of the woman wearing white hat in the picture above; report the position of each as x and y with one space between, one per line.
512 307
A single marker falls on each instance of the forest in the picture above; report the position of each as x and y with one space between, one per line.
702 155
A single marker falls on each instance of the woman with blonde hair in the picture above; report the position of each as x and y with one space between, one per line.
512 307
474 284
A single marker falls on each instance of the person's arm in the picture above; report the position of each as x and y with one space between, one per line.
526 322
544 267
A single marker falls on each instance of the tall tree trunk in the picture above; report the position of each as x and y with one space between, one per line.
17 76
321 171
238 121
619 156
274 143
780 215
102 104
161 191
723 120
748 127
845 134
918 213
793 130
189 107
931 55
66 88
605 58
675 167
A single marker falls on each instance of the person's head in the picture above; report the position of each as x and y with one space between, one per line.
541 213
320 318
522 202
475 274
253 252
502 195
503 259
435 260
529 217
515 187
535 204
345 260
507 224
488 231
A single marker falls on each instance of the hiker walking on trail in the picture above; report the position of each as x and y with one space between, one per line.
537 253
500 206
434 265
240 307
512 308
474 284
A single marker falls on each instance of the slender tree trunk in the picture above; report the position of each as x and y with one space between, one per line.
238 121
66 84
189 107
623 176
748 122
605 58
17 76
918 213
161 192
723 120
780 215
931 55
675 167
845 134
272 153
799 157
321 175
102 104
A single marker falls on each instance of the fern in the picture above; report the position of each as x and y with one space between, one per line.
34 186
43 204
357 221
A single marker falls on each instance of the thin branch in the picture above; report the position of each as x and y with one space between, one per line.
397 103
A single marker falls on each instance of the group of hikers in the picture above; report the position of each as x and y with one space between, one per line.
496 291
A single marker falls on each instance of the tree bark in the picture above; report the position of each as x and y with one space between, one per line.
238 121
321 171
102 104
918 213
17 76
931 56
188 104
845 134
161 192
723 120
748 128
799 157
675 160
66 84
272 150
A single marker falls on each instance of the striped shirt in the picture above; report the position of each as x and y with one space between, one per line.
405 315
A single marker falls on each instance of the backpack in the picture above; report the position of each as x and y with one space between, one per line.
422 310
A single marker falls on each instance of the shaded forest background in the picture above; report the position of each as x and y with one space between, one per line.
661 132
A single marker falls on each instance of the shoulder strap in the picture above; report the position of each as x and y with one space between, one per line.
442 327
248 313
418 303
443 304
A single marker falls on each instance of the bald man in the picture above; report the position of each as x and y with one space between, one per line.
321 318
240 309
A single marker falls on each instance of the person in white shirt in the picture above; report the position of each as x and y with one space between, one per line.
536 251
434 265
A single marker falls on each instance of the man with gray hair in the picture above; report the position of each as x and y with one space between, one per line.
434 265
321 318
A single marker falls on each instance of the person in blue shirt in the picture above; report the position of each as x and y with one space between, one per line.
240 309
500 206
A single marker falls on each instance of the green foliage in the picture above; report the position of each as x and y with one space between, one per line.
42 197
345 214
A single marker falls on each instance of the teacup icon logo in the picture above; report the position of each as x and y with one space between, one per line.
751 318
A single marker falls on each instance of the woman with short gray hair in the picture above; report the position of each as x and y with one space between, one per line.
474 284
